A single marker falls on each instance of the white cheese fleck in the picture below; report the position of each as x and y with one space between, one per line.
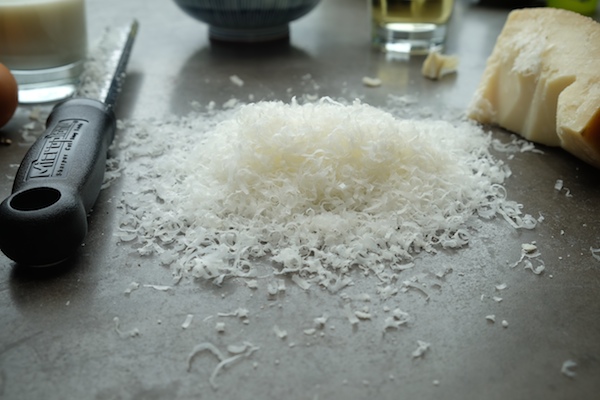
558 185
236 80
371 82
131 287
160 288
188 321
362 314
421 349
595 253
252 283
568 368
280 333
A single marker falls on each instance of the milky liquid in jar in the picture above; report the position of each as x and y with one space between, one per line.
43 42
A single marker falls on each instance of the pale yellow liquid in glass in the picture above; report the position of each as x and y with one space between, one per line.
411 11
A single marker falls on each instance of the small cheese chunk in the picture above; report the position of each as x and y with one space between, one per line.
437 65
542 81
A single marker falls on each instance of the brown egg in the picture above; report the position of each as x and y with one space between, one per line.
9 95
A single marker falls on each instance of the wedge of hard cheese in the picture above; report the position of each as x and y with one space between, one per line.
542 81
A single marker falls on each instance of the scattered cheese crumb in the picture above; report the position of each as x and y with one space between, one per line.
220 327
558 185
132 286
568 368
397 319
252 283
362 315
528 247
421 349
280 333
320 322
231 103
188 321
300 282
132 333
536 270
236 80
491 318
504 323
158 287
371 82
241 351
595 253
236 349
240 313
352 318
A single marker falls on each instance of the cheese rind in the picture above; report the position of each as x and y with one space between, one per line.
542 81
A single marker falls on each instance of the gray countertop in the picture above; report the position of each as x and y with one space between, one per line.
58 336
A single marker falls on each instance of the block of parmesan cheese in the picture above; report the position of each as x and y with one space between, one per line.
542 81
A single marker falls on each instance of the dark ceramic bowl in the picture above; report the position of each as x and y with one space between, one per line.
247 20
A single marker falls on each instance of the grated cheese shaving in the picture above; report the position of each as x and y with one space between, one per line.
352 318
240 313
132 333
241 351
558 185
320 322
529 247
421 349
595 253
397 319
529 251
220 327
160 288
568 368
236 80
371 82
362 314
188 321
302 283
417 286
536 270
131 287
252 283
280 333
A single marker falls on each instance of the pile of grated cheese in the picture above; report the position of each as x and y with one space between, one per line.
316 190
